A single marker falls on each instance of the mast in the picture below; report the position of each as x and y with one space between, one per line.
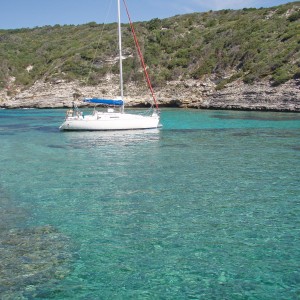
141 56
120 53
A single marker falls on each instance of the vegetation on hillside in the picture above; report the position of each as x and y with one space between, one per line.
249 44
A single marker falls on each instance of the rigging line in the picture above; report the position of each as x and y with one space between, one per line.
98 43
141 56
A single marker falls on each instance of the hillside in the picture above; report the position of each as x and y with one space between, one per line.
249 45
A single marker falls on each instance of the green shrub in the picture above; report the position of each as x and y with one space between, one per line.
294 17
281 76
249 79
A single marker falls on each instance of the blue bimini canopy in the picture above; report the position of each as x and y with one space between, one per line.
104 101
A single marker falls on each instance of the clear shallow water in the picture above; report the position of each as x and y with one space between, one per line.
205 208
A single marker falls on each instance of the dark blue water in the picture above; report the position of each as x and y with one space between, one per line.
205 208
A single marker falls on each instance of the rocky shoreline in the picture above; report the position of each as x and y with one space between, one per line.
182 94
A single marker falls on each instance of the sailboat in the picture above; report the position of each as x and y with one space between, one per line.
112 119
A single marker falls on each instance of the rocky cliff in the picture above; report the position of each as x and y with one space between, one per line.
261 96
183 94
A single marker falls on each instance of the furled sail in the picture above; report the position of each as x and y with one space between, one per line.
104 101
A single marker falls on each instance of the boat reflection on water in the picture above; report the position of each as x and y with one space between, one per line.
91 139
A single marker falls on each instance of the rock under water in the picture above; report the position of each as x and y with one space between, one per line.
30 257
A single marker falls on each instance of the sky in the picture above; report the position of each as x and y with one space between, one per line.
31 13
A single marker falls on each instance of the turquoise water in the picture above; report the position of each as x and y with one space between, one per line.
205 208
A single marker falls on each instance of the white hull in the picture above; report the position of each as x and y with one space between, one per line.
103 121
